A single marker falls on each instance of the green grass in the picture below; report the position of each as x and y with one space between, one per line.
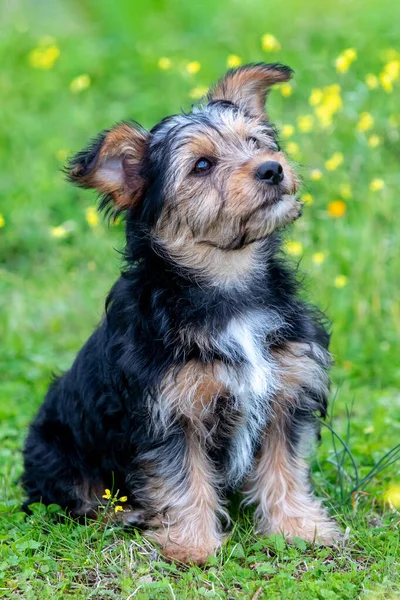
52 290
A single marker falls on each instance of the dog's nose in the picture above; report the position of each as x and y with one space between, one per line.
270 172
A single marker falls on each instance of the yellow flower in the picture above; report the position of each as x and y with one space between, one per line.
294 248
233 61
107 494
392 69
269 43
376 185
198 92
80 83
91 216
386 82
316 174
193 67
372 81
287 131
315 97
334 161
369 429
44 56
293 148
118 508
123 499
345 59
2 221
337 208
305 123
345 190
307 199
365 122
340 281
286 90
329 103
58 232
392 494
374 141
164 63
62 154
318 258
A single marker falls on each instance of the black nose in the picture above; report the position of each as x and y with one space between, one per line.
270 172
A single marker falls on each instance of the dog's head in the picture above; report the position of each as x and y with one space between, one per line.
209 186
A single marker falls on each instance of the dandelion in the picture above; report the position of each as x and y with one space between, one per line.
107 494
376 185
269 43
315 174
374 141
345 190
294 248
307 199
334 161
233 61
287 131
392 494
315 97
345 59
372 81
365 122
198 92
286 90
340 281
118 508
293 148
59 232
80 83
44 56
193 67
2 221
318 258
305 123
337 208
164 63
92 217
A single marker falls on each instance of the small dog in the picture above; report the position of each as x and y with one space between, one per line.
207 371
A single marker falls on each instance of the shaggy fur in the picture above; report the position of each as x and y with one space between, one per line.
207 370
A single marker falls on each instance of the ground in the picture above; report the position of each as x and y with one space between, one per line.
69 70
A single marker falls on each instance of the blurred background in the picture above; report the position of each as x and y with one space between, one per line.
71 68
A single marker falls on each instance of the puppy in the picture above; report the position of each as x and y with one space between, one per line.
207 370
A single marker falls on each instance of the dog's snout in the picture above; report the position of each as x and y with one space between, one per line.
270 172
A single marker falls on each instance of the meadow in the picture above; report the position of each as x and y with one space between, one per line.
70 69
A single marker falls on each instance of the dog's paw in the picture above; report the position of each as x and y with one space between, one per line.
323 531
188 554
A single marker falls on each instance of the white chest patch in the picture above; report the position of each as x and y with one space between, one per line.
252 380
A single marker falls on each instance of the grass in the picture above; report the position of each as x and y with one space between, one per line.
52 289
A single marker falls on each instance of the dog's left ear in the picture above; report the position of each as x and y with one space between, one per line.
248 86
111 164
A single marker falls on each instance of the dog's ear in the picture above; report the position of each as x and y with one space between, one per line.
111 164
248 86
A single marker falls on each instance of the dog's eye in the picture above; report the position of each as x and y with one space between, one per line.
254 142
203 165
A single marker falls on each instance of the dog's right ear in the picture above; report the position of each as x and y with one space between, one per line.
111 164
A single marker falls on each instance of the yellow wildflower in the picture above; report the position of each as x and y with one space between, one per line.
365 122
44 56
392 494
334 161
58 232
376 185
318 258
293 148
62 154
386 82
193 67
315 97
369 429
340 281
294 248
118 508
337 208
345 59
269 43
123 499
2 221
198 92
286 90
345 190
92 216
305 123
287 131
107 494
233 61
372 81
316 174
329 103
392 69
80 83
307 199
164 63
374 141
